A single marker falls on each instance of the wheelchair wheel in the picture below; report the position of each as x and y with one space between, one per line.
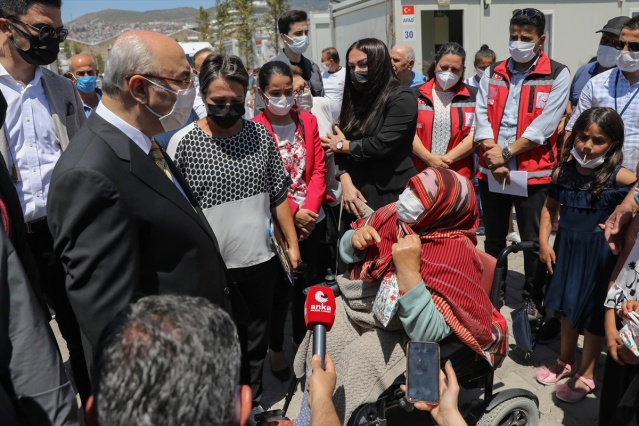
520 411
363 415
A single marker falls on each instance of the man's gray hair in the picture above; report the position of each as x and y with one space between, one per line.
167 360
130 55
410 53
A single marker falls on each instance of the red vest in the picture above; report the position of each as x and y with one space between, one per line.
535 90
462 114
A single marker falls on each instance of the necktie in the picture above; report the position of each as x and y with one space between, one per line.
156 155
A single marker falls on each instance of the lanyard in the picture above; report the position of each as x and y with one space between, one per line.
631 99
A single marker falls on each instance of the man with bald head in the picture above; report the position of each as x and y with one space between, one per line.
403 60
84 73
125 222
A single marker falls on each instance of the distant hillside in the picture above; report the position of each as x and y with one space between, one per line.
180 14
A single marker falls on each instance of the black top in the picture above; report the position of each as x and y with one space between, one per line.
380 162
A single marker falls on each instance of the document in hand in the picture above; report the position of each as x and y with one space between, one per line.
518 184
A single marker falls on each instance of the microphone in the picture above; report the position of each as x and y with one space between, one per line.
319 316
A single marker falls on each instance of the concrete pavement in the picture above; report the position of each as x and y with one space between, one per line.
516 372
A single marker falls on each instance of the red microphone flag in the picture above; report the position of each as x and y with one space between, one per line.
319 307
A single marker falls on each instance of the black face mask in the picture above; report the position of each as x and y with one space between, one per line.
225 116
40 53
359 80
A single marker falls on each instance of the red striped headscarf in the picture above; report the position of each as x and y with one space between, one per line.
450 265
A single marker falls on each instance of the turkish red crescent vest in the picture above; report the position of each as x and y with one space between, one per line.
462 115
535 90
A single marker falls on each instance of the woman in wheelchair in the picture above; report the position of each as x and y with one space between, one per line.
424 247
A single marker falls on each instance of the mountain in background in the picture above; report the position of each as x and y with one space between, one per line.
180 14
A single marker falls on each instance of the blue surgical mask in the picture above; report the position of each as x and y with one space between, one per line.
86 84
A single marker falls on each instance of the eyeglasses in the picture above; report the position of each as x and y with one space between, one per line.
184 82
633 46
530 13
45 32
302 89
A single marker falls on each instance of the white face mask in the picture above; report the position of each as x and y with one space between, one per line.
628 61
480 73
588 164
409 207
521 51
305 101
446 79
179 114
281 105
298 44
607 56
323 66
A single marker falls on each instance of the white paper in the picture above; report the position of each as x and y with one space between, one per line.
518 184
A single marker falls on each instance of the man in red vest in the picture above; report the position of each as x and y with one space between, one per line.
519 105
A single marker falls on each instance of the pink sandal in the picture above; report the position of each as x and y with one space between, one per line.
547 377
565 393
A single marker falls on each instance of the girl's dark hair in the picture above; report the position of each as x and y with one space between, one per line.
270 69
611 124
484 52
359 110
450 48
228 67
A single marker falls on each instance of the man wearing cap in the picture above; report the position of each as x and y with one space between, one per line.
618 88
606 58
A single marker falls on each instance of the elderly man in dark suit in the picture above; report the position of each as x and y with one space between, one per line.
124 220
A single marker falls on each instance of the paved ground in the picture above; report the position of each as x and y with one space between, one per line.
516 372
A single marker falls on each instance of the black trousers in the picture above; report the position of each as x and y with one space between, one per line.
256 284
52 283
496 210
286 293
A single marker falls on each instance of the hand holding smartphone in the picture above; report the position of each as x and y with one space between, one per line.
422 372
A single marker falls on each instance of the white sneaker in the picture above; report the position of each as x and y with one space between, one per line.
513 237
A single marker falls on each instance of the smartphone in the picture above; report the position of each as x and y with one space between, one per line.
422 372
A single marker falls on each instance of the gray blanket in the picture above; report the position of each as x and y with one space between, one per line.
368 356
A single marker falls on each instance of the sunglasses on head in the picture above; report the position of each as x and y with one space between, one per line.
45 32
633 46
530 13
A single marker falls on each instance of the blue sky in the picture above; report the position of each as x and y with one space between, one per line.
72 9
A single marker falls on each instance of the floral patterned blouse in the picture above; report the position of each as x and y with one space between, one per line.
293 152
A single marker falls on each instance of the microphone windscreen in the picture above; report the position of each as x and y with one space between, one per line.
319 307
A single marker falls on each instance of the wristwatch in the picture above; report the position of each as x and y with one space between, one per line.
340 144
506 154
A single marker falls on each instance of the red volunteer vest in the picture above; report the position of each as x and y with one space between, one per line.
462 114
535 90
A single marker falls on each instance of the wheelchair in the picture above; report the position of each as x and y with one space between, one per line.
506 408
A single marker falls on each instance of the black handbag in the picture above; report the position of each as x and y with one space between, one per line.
522 330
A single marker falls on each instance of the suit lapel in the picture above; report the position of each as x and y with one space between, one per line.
144 168
58 106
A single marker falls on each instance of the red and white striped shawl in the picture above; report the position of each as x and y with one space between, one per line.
450 265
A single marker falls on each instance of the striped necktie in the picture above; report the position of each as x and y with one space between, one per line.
156 155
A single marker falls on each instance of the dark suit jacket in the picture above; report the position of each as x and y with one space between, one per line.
32 376
123 230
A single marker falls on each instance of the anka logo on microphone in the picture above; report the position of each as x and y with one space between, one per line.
322 298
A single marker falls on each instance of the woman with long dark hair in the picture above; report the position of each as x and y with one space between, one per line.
373 141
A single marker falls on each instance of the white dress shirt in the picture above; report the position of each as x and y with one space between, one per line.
33 146
601 91
139 138
334 90
541 128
